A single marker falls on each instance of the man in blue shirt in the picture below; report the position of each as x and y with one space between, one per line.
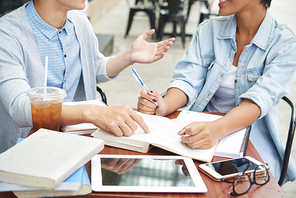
45 28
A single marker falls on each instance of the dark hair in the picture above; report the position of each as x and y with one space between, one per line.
266 3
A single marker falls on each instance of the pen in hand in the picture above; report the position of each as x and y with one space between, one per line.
138 78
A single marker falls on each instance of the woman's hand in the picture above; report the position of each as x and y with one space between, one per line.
173 100
204 135
184 167
151 102
200 135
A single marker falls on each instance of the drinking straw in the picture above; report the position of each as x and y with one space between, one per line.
45 76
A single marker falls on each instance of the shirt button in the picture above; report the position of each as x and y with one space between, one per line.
235 81
60 32
65 56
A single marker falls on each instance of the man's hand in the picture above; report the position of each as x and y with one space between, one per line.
144 52
119 165
120 120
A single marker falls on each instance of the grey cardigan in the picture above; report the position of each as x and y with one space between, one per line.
21 68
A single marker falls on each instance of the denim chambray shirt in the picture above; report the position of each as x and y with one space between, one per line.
264 74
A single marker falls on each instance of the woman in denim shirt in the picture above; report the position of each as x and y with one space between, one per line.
242 64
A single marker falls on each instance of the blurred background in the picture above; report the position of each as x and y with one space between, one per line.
110 21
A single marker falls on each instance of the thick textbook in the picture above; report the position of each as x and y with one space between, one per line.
46 158
163 134
77 184
80 178
72 183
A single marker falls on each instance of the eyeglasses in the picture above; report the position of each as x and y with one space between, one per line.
243 182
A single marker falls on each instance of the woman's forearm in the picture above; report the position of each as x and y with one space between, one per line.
174 99
238 118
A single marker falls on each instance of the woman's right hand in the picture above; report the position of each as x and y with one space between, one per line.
151 102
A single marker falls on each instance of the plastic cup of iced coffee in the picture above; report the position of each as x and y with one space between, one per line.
46 107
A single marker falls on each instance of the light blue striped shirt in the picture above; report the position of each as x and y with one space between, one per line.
63 51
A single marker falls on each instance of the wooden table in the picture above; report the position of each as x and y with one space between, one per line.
215 189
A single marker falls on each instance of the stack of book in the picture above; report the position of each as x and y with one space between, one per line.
48 163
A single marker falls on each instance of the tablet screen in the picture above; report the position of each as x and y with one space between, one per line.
145 174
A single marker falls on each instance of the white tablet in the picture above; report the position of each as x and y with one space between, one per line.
145 173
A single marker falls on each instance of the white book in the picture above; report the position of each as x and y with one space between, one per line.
46 158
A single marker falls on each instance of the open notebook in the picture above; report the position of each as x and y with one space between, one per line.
233 145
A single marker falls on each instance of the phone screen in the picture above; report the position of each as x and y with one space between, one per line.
232 166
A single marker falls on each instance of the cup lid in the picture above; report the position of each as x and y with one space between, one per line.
51 92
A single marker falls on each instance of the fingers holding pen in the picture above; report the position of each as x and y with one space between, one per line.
154 98
147 102
198 135
151 102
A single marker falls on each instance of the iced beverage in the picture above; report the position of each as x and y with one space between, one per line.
46 108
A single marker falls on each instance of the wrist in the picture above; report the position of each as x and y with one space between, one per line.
221 126
89 113
73 114
128 57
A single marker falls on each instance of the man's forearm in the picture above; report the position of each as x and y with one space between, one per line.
117 64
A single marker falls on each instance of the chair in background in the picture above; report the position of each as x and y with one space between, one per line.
176 11
147 6
103 95
205 10
289 142
1 8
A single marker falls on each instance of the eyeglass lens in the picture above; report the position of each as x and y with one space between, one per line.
261 175
242 182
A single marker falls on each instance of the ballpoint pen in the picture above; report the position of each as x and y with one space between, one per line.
138 78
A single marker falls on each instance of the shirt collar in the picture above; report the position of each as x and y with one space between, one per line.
264 34
42 26
262 37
